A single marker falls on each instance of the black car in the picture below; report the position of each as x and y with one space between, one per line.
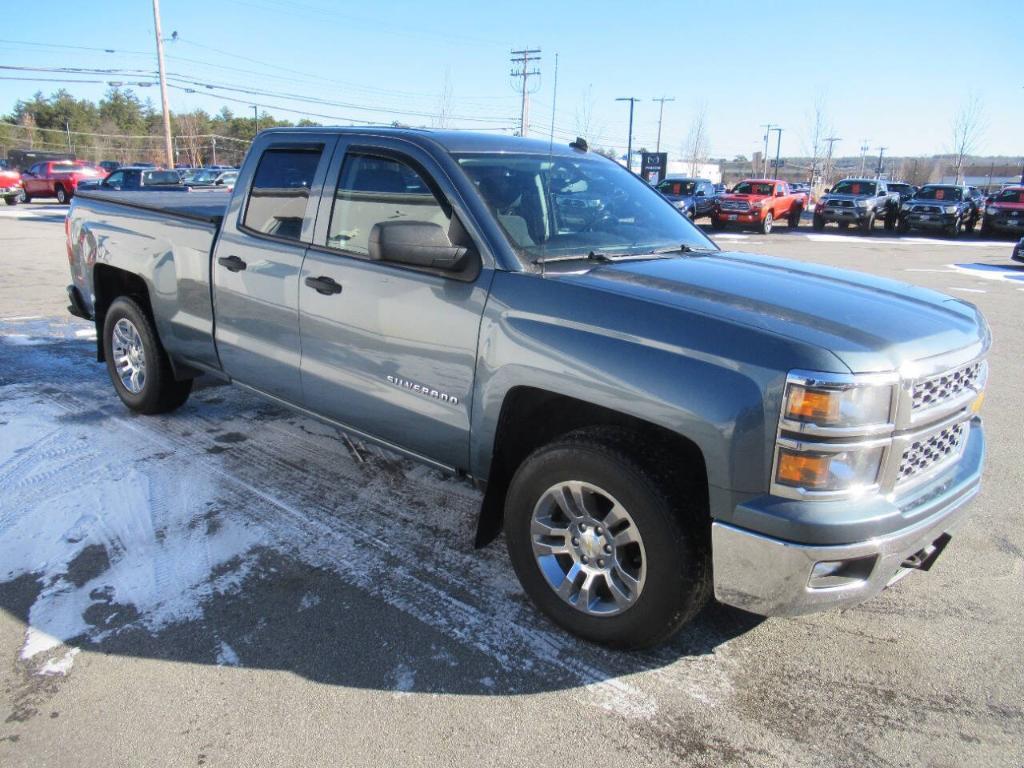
904 190
693 197
947 207
138 178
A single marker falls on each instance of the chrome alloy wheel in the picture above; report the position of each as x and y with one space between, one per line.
129 355
588 548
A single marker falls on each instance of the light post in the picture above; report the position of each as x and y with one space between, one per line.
629 142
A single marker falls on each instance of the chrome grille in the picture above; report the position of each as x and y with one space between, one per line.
947 386
927 209
841 203
733 205
931 451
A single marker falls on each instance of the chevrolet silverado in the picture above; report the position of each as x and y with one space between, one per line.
652 420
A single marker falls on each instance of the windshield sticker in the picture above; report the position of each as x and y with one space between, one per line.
939 194
855 188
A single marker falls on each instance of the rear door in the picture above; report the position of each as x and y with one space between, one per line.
391 350
258 258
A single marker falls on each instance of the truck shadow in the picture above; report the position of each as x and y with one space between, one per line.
344 566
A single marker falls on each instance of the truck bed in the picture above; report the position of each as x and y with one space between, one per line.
206 206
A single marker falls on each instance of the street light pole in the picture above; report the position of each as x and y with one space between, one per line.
768 127
629 142
168 149
778 147
878 172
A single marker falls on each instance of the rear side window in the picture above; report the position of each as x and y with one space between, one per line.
280 191
374 189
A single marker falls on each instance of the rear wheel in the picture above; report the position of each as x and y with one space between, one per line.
891 217
62 195
794 216
603 544
767 223
137 363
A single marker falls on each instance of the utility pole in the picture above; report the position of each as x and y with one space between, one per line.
827 170
881 151
661 111
767 130
629 142
554 105
778 147
67 130
213 147
991 170
523 59
863 154
256 117
168 149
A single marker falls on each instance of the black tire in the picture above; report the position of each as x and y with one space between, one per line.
767 223
62 195
903 226
794 216
971 224
26 197
717 224
11 200
867 226
818 224
159 392
672 522
986 229
954 229
842 224
891 218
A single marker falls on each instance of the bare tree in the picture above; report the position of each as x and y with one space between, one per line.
968 127
444 102
819 129
188 135
586 127
697 143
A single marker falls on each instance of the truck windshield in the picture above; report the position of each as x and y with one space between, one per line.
573 206
678 187
1009 196
752 188
854 188
939 193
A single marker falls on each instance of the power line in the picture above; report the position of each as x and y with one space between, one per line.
523 59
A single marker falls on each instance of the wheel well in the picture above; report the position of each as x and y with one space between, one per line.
531 418
109 283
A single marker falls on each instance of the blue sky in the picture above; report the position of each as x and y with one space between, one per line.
894 76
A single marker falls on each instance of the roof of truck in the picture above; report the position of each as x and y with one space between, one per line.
452 141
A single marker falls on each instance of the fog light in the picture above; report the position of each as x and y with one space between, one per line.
828 574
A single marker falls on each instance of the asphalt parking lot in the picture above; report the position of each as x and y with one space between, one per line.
233 584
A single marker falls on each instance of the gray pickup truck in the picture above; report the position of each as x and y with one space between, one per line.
652 420
860 202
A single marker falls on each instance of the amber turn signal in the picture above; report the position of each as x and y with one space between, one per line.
802 470
820 406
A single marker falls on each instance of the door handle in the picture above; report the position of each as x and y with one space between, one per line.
323 285
232 263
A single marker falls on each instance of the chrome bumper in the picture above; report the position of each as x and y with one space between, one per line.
773 577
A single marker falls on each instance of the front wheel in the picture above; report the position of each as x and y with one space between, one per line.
717 224
903 227
137 363
602 543
971 224
12 199
818 224
954 229
867 226
767 223
890 221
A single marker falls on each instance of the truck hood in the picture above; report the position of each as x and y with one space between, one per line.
744 198
869 323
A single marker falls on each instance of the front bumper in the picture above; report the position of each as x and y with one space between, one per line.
774 577
851 215
1005 223
930 220
739 217
9 191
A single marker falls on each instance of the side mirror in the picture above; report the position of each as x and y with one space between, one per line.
700 193
780 193
415 243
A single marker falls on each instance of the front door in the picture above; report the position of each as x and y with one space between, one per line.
387 349
257 262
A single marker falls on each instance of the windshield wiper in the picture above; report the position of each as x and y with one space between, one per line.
592 256
606 258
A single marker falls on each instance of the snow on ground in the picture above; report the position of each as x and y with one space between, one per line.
133 524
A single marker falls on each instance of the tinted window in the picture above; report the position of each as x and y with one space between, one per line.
114 179
375 189
280 190
753 188
940 193
150 178
679 187
854 188
1009 196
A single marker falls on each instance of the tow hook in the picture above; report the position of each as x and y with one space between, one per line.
923 559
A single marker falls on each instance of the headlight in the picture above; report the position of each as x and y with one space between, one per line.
950 209
680 204
845 470
905 206
991 210
861 203
810 402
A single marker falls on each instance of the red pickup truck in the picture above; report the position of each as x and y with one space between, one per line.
10 186
57 178
759 203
